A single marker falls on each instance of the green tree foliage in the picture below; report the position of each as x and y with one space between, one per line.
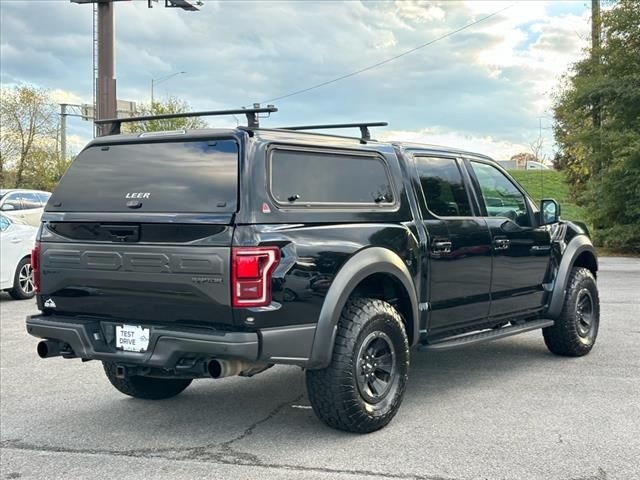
28 134
171 105
601 157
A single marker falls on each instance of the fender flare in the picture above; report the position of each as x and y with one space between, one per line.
573 250
363 264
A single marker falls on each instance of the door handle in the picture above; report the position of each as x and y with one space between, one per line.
541 248
15 240
441 247
501 243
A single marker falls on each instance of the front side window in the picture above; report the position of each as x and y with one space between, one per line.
443 187
309 178
12 202
501 197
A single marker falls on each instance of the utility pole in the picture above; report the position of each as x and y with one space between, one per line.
542 162
106 81
595 29
106 103
63 131
86 112
596 33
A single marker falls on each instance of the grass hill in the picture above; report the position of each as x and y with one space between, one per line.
550 184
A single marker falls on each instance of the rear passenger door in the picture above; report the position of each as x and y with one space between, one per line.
521 248
459 245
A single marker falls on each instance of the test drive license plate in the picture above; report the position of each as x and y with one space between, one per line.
132 338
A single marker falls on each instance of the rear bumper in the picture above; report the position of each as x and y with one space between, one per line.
94 340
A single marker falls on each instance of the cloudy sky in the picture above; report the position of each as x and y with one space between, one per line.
484 89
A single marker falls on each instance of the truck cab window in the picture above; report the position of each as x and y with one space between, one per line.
443 187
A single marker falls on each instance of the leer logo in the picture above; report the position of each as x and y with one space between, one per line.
138 195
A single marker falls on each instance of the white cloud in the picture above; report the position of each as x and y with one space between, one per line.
483 87
63 96
75 143
486 145
419 10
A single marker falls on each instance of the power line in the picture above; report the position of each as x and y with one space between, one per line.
388 60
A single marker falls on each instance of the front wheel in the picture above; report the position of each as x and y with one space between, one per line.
148 388
362 388
575 330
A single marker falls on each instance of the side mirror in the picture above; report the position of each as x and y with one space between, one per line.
7 207
549 211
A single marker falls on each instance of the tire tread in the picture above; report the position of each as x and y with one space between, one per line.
332 391
562 338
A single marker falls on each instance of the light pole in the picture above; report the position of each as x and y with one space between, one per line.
155 81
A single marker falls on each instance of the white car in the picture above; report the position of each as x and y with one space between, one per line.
24 206
16 243
531 165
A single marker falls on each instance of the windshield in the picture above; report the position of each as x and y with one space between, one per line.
165 177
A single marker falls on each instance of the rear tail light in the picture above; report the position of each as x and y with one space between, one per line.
35 266
251 269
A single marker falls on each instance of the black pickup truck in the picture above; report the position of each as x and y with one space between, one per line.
172 256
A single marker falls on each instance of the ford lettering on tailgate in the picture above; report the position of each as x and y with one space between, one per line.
209 263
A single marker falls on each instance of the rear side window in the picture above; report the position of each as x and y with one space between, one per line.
30 200
165 177
310 178
443 187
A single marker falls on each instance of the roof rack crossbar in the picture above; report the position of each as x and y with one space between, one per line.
251 114
364 127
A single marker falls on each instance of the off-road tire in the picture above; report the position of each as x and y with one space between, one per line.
571 336
148 388
20 292
335 392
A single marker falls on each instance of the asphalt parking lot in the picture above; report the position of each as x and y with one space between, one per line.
502 410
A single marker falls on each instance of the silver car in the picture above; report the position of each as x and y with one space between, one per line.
23 206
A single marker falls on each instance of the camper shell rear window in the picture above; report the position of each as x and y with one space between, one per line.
160 177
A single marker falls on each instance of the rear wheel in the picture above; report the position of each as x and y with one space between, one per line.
23 286
574 332
362 388
148 388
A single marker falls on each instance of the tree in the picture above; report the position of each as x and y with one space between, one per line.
172 105
537 150
602 158
28 123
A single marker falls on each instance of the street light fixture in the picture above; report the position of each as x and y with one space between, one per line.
156 81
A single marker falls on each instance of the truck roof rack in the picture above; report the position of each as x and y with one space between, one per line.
364 127
251 113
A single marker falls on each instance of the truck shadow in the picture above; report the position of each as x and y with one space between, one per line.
215 413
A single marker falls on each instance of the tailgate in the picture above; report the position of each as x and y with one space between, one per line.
146 282
120 239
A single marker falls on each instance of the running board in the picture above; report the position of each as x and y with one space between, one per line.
485 336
